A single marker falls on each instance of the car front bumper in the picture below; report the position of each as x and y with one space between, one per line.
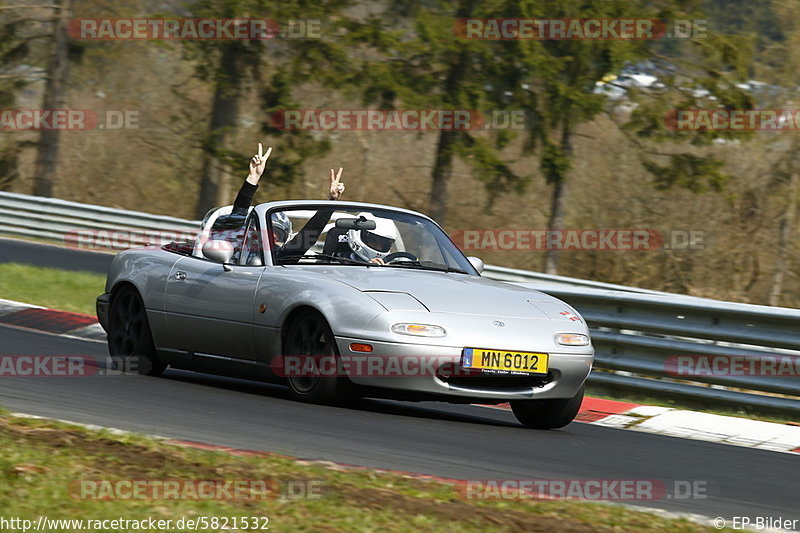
416 367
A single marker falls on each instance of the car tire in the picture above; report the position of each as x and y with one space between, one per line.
547 414
309 334
130 342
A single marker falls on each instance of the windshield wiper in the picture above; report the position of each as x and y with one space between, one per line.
344 260
427 265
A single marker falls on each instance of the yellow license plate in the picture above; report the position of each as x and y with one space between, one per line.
502 361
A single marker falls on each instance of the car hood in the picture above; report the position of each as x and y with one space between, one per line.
442 292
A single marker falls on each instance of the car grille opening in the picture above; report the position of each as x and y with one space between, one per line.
464 378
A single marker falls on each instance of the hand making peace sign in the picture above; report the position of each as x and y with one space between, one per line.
258 164
337 188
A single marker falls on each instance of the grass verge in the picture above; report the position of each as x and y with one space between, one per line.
39 460
51 287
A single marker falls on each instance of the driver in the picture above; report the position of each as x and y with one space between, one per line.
369 246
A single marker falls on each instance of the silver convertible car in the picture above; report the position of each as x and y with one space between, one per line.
341 300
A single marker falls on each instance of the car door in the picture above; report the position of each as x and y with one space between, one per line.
209 307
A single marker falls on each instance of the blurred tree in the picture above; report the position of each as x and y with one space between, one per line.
425 64
22 25
57 72
233 66
563 76
758 17
779 66
558 85
13 50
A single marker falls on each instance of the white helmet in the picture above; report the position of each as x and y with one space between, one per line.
369 244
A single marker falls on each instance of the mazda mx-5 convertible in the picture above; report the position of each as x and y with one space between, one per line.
341 300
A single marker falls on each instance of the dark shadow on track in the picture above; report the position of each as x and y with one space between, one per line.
374 405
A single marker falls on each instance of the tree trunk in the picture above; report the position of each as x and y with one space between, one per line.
224 114
559 202
447 138
784 241
47 151
441 173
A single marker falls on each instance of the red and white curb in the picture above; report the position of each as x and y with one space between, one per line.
46 320
608 413
688 424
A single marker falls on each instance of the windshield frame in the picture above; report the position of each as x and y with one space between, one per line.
447 247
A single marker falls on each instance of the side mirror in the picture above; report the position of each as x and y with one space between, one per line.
476 262
218 250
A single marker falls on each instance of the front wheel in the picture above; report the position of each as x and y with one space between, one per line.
547 414
130 342
310 341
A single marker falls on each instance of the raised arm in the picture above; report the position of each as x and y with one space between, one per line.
257 165
306 237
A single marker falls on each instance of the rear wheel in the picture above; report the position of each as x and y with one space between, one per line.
130 342
547 414
311 341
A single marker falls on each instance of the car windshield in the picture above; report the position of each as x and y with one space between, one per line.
364 237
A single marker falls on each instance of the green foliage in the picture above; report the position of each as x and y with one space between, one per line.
493 171
554 163
706 71
21 60
296 146
761 18
276 66
697 174
563 73
418 61
14 49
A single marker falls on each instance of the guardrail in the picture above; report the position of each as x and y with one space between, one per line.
68 222
658 343
637 333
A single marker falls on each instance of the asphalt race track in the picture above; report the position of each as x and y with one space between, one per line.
45 255
465 442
